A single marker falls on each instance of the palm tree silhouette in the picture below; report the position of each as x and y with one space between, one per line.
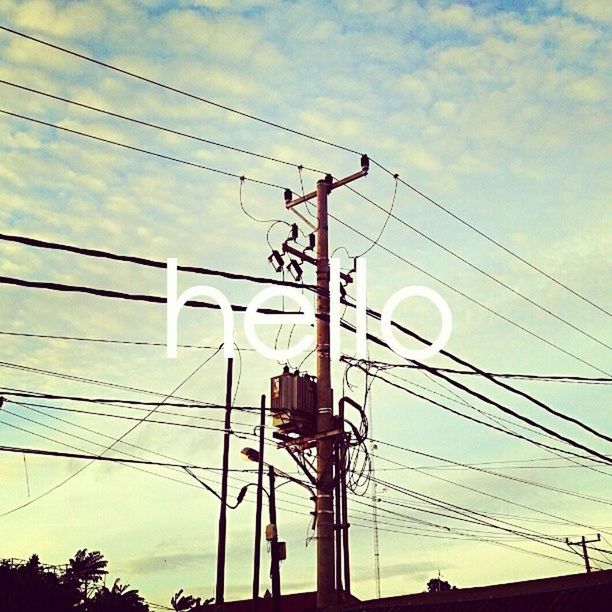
85 570
119 598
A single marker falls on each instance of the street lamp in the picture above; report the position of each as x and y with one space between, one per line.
252 455
271 531
277 549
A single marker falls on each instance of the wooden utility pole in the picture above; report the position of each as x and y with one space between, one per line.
274 552
221 543
326 553
325 445
585 552
258 506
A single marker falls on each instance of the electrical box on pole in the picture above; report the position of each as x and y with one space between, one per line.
294 403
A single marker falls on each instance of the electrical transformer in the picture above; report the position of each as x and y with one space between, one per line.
294 403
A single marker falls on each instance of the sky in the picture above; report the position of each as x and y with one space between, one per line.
496 111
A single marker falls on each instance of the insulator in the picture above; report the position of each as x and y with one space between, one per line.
296 270
276 261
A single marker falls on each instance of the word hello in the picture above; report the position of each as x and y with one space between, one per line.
306 316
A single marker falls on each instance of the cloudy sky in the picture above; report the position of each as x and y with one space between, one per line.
498 111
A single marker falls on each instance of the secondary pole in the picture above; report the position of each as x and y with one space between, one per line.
258 507
585 551
274 560
220 589
325 445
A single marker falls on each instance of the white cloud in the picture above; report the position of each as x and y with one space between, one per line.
595 10
75 18
587 89
421 159
445 108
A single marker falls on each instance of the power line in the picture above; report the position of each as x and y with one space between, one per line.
111 341
467 297
121 295
173 89
140 150
558 378
201 270
45 452
451 533
494 473
491 513
233 276
113 401
147 262
478 395
165 477
499 420
159 299
130 404
559 436
122 417
33 408
517 464
157 127
392 514
492 240
398 519
384 225
480 517
496 543
307 136
475 267
156 453
50 453
113 444
92 381
562 378
531 398
507 387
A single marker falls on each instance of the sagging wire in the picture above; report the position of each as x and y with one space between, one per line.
242 179
389 213
239 379
358 465
239 498
313 215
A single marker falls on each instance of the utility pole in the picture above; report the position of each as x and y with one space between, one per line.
258 506
585 552
274 556
325 446
221 543
278 549
326 592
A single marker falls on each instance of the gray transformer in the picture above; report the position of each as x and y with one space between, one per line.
294 403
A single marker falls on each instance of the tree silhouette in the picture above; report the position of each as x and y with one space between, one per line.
32 587
86 568
188 603
436 584
119 598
